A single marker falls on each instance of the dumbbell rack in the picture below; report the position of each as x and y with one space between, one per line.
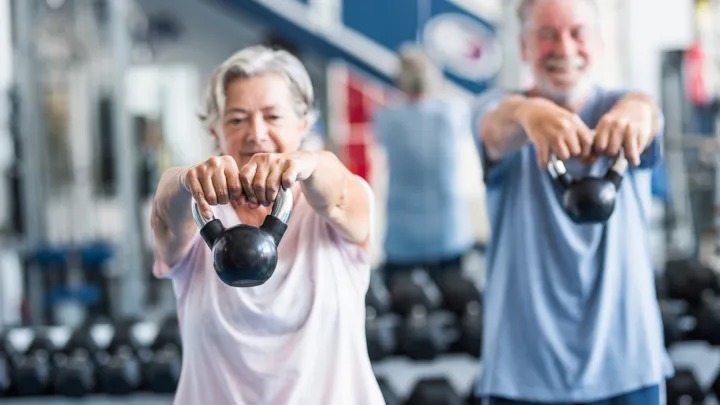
689 297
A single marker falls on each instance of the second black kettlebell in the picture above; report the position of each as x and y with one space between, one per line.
246 255
588 200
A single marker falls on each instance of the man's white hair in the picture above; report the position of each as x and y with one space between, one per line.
256 61
525 7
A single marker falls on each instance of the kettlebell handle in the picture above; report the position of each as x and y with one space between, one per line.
559 172
282 208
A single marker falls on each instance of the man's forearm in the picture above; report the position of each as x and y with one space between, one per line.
500 130
646 101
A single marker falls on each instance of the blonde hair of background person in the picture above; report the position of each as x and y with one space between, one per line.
299 337
417 74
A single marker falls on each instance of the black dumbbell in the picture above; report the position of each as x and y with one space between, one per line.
457 291
470 327
379 334
715 387
423 335
32 367
163 371
472 398
687 279
707 319
388 393
409 289
677 324
660 287
76 365
129 351
5 378
684 389
434 391
378 296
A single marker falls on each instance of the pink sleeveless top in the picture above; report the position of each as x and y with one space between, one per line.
298 339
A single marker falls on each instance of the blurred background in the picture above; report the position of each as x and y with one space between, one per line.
98 97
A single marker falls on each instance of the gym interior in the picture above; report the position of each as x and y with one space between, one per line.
99 97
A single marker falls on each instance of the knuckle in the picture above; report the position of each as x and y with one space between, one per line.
258 186
565 123
244 175
214 161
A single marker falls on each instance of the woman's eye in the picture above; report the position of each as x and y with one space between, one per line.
272 118
235 121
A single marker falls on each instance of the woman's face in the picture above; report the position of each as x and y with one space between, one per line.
259 117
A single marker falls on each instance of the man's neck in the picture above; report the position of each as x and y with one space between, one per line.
574 103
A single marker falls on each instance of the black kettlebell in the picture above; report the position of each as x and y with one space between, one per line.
589 199
245 255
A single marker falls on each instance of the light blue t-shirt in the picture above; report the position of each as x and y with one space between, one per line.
570 310
426 214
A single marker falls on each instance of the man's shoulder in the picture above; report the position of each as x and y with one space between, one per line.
492 96
609 94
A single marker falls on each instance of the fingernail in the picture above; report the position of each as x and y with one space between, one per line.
208 214
267 204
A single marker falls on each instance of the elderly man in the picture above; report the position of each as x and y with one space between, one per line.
571 314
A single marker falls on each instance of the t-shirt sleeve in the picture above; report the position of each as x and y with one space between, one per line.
653 154
179 269
493 171
365 252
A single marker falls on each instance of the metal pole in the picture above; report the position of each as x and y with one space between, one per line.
31 129
32 151
717 185
129 255
6 147
511 74
680 240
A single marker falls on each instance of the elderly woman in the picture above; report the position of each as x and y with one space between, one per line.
299 338
427 222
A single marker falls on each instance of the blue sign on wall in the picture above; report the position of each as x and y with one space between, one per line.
465 45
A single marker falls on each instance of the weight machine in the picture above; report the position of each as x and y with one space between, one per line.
692 159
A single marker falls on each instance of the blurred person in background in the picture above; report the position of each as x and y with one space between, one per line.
570 310
299 338
426 213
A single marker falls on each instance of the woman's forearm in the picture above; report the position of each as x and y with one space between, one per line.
337 194
172 222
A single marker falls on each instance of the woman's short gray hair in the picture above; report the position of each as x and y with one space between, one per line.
256 61
418 74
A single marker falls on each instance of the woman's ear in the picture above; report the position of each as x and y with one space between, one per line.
304 124
216 138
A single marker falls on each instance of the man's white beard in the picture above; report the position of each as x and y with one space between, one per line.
565 97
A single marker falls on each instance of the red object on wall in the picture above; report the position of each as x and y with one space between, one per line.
356 98
695 82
